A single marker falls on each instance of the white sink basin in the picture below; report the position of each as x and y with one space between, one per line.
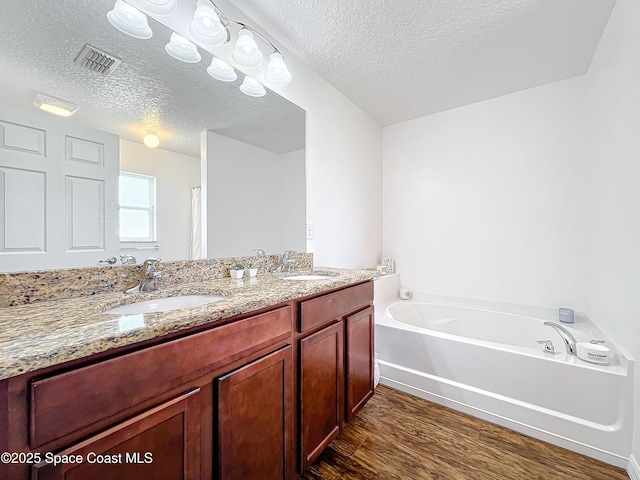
165 304
307 277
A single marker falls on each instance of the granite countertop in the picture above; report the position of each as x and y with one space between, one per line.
49 333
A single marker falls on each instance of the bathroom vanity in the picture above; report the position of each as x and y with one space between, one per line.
216 394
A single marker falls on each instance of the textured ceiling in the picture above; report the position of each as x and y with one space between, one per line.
401 59
39 39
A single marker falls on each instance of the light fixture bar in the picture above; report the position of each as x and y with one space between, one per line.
228 20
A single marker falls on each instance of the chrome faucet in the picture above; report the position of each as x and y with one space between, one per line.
568 339
127 259
148 280
285 261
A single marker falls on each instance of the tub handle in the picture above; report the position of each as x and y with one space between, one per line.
548 346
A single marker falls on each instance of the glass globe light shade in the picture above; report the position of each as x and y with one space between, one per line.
206 27
151 139
246 53
221 70
252 87
129 20
277 72
182 49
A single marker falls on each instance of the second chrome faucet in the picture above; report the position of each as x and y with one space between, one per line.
285 261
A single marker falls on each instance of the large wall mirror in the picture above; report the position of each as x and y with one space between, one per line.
59 183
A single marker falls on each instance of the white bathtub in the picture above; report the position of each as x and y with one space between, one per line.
487 363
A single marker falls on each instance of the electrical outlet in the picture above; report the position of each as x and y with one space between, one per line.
309 229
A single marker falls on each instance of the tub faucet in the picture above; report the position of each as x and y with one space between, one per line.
568 339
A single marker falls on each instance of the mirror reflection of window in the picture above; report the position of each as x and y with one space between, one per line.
137 195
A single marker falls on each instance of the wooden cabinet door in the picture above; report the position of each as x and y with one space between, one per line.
321 385
161 443
255 420
360 357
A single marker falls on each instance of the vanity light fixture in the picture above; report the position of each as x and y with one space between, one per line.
161 8
151 139
206 26
221 70
252 87
182 49
54 105
129 20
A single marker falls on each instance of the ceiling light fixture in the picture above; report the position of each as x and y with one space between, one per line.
129 20
151 139
221 70
252 87
161 8
54 105
206 26
182 49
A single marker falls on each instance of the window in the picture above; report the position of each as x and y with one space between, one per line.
137 208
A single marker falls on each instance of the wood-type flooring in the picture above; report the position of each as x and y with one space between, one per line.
398 436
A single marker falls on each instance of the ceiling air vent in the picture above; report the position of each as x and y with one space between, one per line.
97 60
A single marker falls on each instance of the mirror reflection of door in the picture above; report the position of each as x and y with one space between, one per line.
59 192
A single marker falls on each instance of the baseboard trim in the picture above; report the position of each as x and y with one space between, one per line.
633 469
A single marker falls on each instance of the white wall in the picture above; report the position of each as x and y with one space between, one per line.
344 175
486 201
613 293
530 198
255 199
175 175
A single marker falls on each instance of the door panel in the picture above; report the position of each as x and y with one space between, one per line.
58 192
321 390
163 442
255 430
360 356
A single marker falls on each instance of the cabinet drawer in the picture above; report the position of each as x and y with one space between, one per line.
75 400
319 310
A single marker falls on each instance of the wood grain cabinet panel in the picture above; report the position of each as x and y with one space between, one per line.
68 402
321 390
359 360
325 308
255 411
162 443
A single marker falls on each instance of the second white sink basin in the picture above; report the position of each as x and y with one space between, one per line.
307 277
165 304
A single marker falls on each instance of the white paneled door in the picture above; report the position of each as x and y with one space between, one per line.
58 192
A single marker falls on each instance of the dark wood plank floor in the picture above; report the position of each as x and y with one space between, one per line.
398 436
